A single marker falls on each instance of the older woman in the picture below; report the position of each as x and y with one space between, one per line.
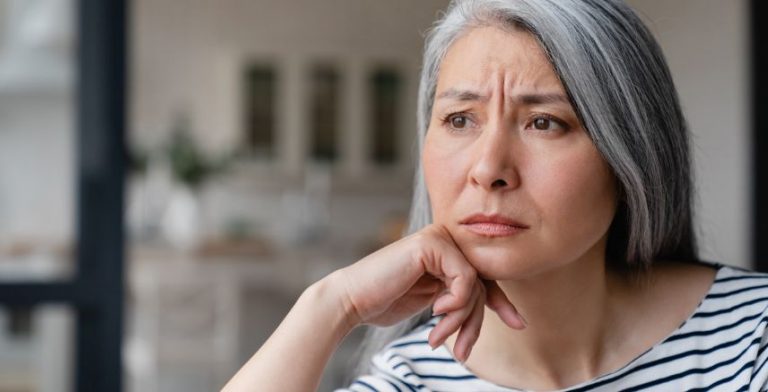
555 191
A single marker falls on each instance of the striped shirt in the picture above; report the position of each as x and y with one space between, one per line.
720 347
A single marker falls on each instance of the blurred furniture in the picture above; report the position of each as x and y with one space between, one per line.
194 319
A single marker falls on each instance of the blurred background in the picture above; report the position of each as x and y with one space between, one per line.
269 143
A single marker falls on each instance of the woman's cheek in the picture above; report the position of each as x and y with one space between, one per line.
444 174
577 202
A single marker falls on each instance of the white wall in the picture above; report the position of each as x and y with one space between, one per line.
706 43
183 58
189 58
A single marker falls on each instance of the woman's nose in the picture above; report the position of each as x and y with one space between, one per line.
493 166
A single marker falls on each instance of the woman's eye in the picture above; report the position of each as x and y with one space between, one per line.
543 123
459 121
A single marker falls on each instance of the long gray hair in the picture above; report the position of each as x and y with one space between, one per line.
618 83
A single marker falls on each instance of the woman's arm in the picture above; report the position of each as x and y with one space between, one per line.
390 285
294 357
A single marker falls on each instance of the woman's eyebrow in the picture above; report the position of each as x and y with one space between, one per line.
461 95
525 99
534 99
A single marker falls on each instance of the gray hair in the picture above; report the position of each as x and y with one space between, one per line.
617 80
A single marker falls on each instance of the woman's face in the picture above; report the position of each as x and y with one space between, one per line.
510 171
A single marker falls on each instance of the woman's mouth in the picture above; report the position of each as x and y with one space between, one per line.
493 225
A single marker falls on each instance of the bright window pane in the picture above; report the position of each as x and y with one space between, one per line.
37 122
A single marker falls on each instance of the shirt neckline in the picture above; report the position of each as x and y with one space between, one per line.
720 270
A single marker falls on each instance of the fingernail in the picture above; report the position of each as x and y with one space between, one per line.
433 342
525 322
438 307
457 356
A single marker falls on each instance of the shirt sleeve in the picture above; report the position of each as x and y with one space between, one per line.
760 371
379 382
383 377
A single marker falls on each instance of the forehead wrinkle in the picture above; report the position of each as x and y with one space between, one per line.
519 75
532 80
481 87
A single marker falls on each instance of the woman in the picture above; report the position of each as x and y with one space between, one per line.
555 191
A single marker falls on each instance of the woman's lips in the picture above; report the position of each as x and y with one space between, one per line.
493 225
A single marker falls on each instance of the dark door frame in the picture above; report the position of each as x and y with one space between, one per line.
96 293
759 86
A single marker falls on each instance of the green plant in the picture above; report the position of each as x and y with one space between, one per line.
188 163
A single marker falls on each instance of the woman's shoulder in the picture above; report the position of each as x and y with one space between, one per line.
737 290
727 272
718 279
723 341
730 290
735 304
733 281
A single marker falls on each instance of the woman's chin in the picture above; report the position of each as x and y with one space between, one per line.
498 264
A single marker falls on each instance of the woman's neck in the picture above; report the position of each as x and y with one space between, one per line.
573 320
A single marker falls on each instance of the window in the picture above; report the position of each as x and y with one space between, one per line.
260 111
324 90
92 299
385 116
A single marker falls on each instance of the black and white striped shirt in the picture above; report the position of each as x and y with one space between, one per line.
721 347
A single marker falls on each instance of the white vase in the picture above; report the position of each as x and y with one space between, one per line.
181 224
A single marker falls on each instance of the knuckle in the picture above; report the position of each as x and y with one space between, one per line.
470 274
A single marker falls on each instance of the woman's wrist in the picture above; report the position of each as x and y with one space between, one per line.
308 336
329 295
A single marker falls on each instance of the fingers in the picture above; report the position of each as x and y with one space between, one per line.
498 302
446 262
455 319
460 281
426 284
470 331
458 293
468 318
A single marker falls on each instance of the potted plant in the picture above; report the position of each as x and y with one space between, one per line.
191 169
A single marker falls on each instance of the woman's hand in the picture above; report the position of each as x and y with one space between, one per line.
424 268
383 288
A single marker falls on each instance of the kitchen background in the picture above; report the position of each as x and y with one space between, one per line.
271 143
